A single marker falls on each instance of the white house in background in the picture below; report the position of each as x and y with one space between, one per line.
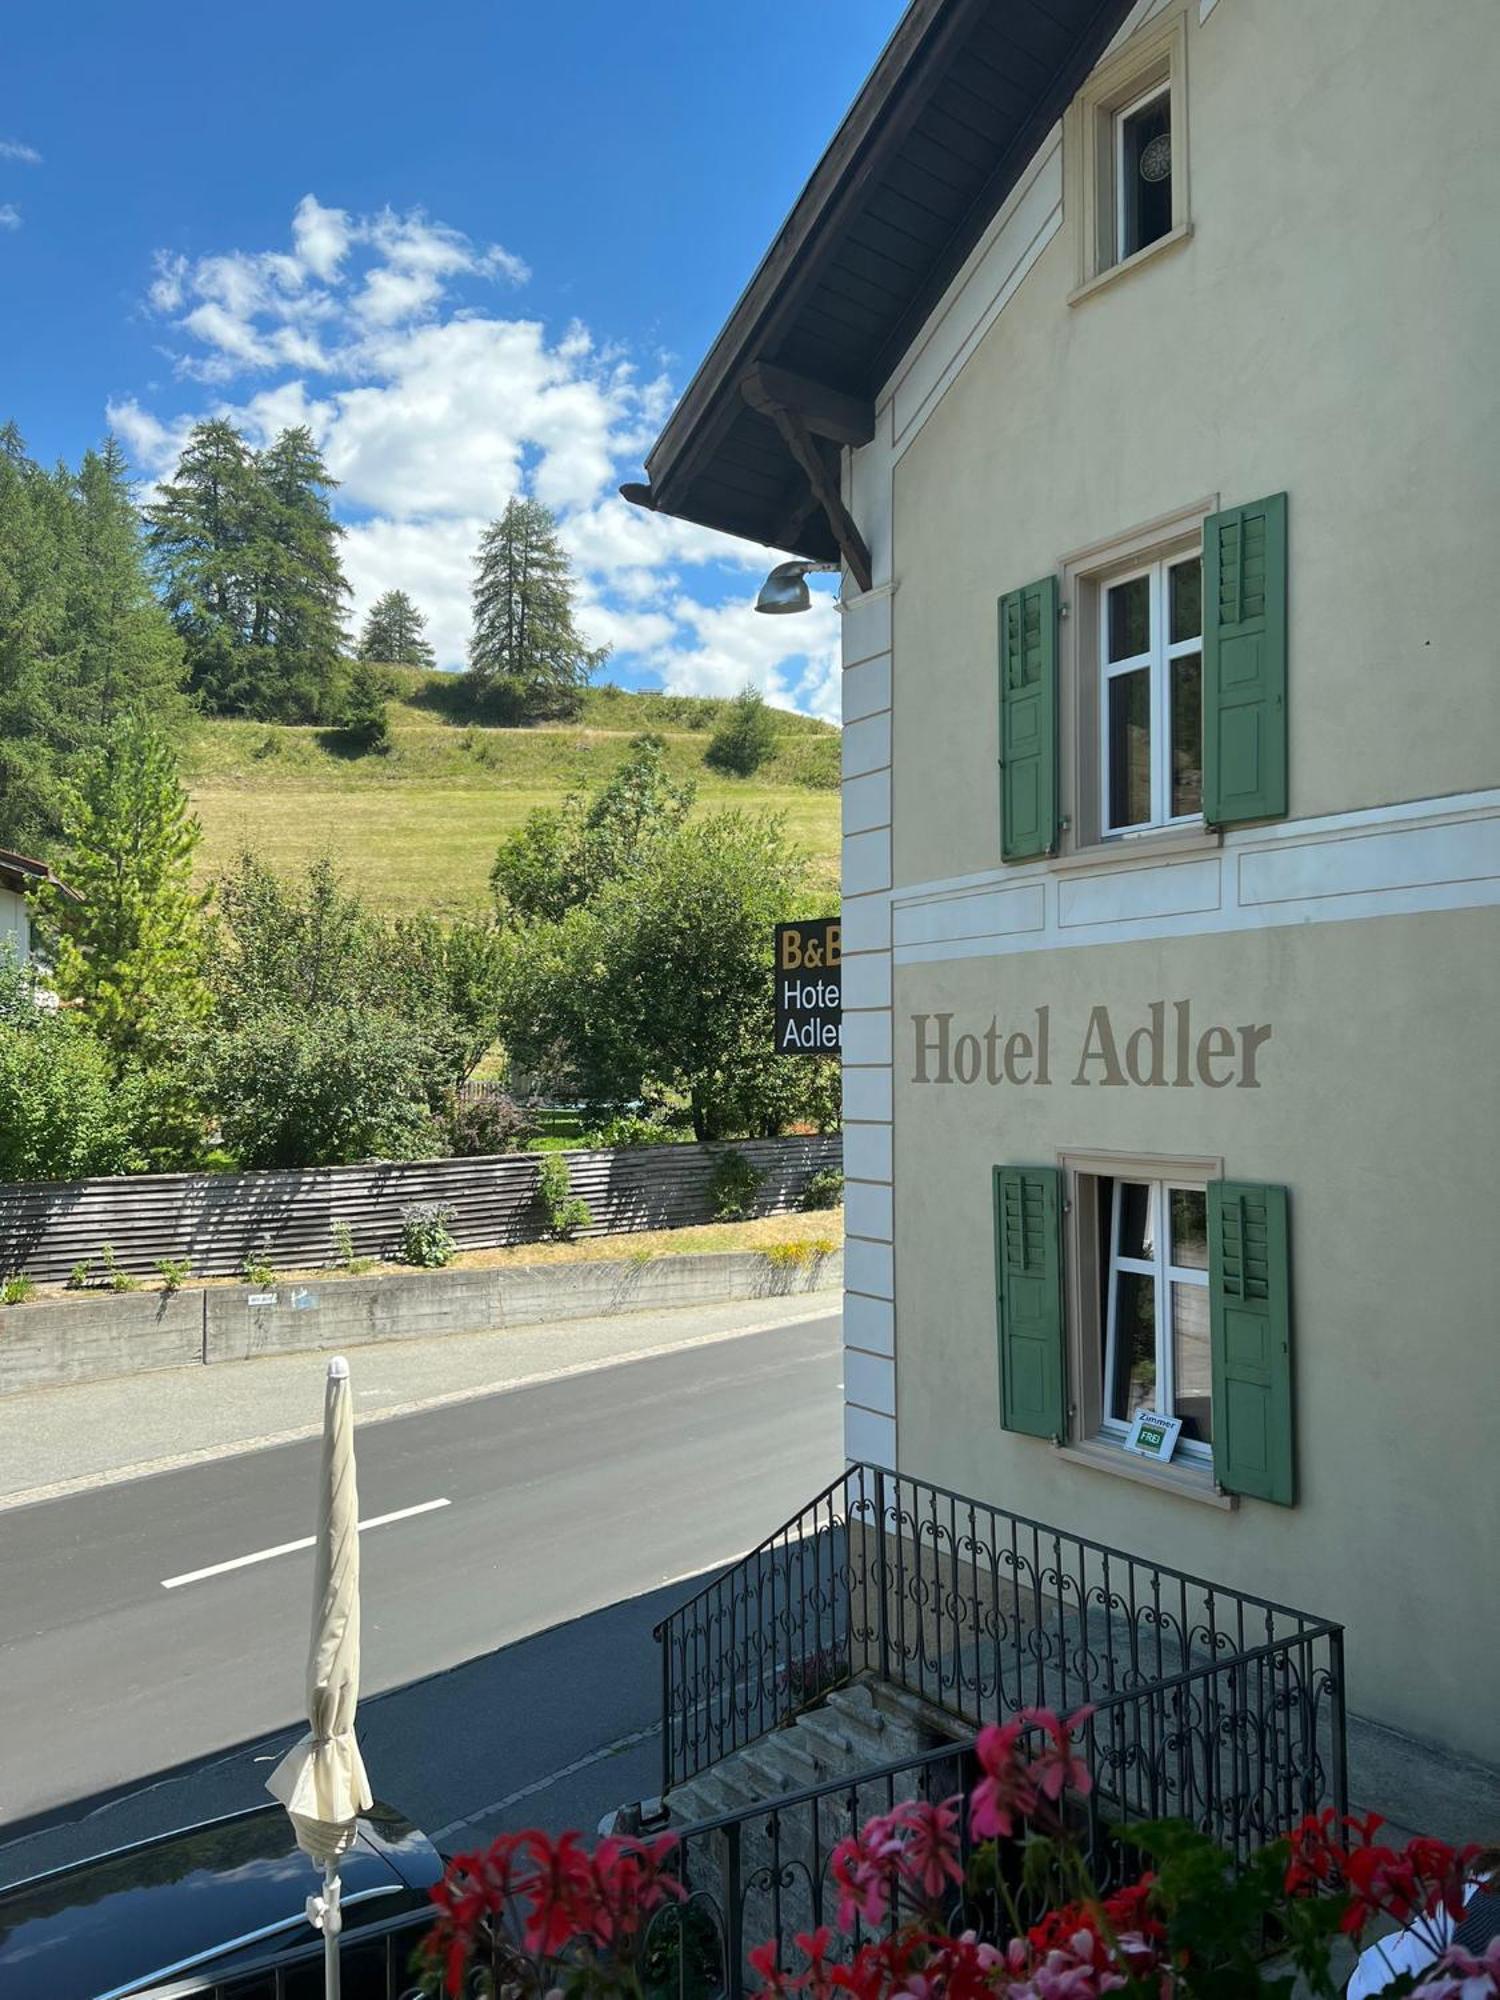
19 875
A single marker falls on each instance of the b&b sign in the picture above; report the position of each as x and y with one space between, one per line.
809 999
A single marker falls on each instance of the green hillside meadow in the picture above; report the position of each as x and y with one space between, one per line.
417 828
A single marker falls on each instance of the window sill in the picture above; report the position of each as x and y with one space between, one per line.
1108 276
1171 844
1188 1482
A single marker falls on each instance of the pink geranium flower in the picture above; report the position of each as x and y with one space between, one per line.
1055 1769
1007 1791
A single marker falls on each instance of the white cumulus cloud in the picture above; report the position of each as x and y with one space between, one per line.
383 334
24 155
10 215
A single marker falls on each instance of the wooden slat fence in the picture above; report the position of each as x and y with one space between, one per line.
214 1221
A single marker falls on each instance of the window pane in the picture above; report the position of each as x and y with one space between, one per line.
1130 618
1190 1229
1134 1386
1146 167
1185 617
1137 1237
1191 1367
1187 734
1130 748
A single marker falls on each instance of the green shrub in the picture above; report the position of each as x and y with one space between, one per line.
733 1187
564 1214
745 737
80 1277
823 1246
258 1270
115 1279
489 1125
173 1271
632 1129
426 1238
824 1189
17 1289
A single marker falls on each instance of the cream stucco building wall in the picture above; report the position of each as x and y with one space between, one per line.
1327 329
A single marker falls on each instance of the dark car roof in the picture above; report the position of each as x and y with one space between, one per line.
110 1925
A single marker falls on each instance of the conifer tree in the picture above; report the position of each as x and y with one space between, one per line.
130 952
527 653
394 633
82 637
247 549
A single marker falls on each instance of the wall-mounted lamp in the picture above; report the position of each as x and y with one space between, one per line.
785 589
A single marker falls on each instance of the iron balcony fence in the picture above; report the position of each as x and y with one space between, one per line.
1241 1745
973 1609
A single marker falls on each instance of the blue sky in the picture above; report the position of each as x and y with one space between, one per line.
478 247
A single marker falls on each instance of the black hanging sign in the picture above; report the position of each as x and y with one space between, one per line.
809 1000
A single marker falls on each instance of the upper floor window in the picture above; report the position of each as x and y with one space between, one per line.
1129 146
1143 171
1151 648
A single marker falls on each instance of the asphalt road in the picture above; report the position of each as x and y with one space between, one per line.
568 1505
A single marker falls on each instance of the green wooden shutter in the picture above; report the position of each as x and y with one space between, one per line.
1028 721
1250 1309
1244 663
1028 1297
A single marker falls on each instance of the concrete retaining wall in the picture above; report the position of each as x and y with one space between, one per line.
84 1339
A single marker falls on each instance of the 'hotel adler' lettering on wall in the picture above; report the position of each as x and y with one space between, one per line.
1168 1050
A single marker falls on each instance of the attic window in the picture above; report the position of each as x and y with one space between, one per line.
1143 172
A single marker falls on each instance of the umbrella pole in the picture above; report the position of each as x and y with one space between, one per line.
333 1923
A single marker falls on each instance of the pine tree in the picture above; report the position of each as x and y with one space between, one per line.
199 536
130 952
394 633
526 650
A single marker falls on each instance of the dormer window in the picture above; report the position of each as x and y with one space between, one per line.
1130 132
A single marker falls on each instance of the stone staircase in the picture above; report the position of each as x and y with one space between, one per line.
856 1729
780 1858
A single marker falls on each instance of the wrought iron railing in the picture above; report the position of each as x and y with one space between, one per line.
1242 1746
974 1609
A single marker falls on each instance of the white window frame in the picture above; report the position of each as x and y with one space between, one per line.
1155 56
1158 658
1127 111
1166 1274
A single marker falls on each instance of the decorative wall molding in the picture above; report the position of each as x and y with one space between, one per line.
1425 854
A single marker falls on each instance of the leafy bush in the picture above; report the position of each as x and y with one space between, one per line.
173 1272
824 1189
322 1088
745 737
631 1128
733 1187
17 1289
80 1277
486 1125
258 1269
66 1111
564 1213
426 1238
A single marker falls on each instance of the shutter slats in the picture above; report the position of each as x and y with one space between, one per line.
1244 663
1028 721
1028 1299
1250 1308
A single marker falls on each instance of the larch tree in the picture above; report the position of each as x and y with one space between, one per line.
247 550
130 951
83 638
395 633
527 655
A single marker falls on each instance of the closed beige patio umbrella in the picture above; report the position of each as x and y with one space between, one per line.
321 1780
